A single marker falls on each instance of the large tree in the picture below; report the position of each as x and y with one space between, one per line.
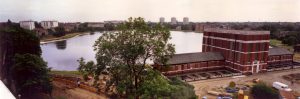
125 54
22 55
30 73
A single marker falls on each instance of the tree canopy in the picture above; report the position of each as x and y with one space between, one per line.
262 91
23 66
31 74
125 55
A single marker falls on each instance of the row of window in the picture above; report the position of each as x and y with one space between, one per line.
272 58
239 37
244 47
195 65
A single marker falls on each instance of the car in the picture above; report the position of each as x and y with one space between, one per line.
231 90
281 86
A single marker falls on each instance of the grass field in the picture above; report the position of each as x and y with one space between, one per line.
66 73
278 43
51 38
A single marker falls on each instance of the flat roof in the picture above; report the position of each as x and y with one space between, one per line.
242 32
279 51
195 57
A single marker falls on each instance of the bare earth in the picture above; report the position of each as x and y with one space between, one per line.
60 92
202 86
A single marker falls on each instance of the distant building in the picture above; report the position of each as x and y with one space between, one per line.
29 25
70 26
95 25
40 32
173 20
199 27
162 20
49 24
186 20
178 28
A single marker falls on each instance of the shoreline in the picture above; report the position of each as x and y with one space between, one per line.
67 36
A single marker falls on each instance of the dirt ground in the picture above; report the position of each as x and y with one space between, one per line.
60 92
202 86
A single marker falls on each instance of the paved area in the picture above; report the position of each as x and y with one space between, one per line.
202 86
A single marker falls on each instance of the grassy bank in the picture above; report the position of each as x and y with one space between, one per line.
278 43
52 38
66 73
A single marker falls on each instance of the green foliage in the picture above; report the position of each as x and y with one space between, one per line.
292 39
20 41
182 90
155 86
263 91
86 69
232 84
23 67
30 73
124 53
59 31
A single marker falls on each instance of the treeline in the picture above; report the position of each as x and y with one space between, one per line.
288 33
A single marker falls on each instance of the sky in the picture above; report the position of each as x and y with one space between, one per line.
151 10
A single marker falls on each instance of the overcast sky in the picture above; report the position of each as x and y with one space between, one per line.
151 10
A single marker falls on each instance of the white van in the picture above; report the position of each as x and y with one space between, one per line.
281 86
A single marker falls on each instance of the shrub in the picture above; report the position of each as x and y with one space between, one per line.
232 84
262 91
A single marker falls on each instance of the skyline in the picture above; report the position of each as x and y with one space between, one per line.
151 10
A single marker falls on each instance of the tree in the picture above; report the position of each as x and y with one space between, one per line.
290 40
30 73
86 69
124 54
59 31
23 69
262 91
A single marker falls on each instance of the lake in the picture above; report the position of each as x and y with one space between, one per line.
63 55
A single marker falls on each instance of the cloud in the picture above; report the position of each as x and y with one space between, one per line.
196 10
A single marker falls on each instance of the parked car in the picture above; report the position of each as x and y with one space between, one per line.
231 90
281 86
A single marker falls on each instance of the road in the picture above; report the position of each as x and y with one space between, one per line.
202 86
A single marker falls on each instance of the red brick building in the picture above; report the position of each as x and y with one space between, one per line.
246 51
235 50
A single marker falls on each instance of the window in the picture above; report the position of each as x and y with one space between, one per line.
240 47
231 45
257 56
250 45
257 47
238 57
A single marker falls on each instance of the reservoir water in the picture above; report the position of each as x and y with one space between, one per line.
63 55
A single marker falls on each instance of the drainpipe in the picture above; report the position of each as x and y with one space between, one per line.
233 61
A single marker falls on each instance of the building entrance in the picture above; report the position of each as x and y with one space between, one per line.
255 66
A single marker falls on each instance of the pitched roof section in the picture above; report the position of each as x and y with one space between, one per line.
242 32
278 51
195 57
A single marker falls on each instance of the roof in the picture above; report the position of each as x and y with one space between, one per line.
195 57
242 32
278 51
5 93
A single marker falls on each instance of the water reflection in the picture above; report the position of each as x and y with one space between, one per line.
63 55
61 45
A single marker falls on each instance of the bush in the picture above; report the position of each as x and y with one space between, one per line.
262 91
232 84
